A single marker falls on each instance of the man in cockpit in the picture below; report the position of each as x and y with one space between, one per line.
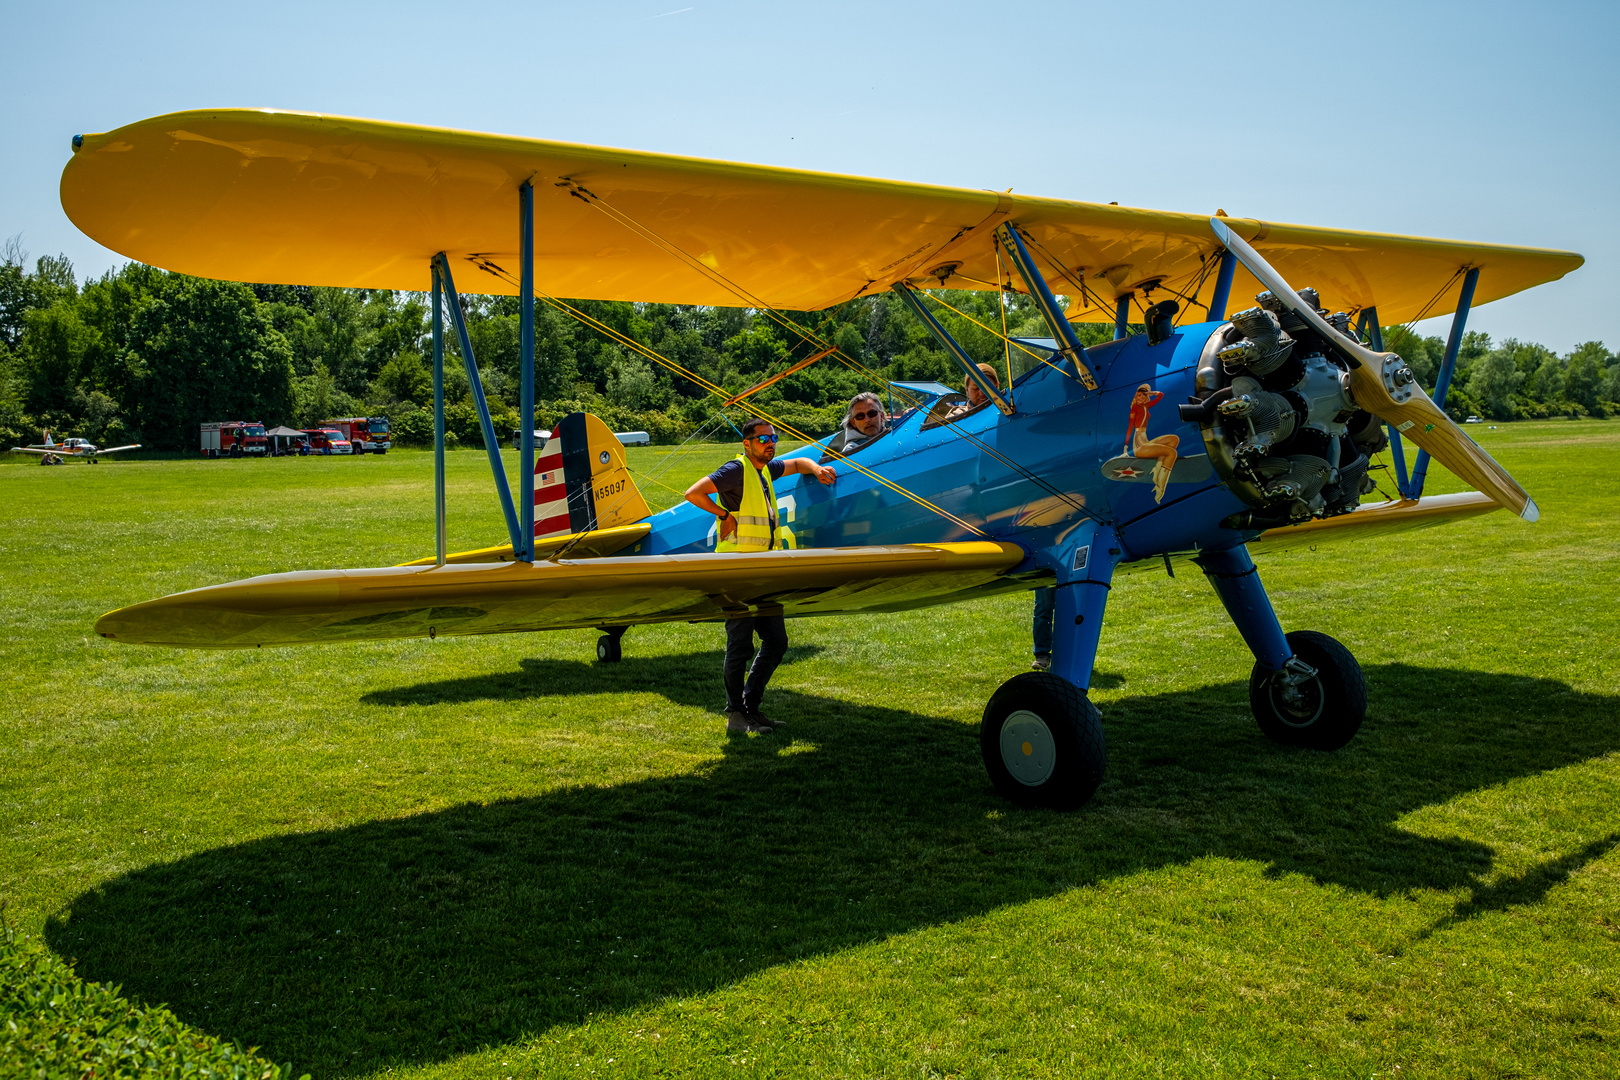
975 396
864 420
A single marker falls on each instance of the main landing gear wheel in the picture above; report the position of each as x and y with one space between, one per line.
607 647
1042 741
1318 712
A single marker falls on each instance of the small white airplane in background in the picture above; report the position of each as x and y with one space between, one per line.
50 449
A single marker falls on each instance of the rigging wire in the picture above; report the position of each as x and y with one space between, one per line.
1006 342
748 298
1405 329
809 335
1013 342
651 354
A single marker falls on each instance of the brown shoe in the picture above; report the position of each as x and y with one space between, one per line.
757 717
738 723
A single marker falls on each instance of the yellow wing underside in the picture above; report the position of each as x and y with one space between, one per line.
301 198
1368 523
324 606
316 606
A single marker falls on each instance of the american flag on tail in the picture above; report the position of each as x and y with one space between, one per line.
550 493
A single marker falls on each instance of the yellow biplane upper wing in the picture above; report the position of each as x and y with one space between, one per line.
315 606
302 198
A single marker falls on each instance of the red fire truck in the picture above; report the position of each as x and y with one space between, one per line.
327 439
234 438
365 433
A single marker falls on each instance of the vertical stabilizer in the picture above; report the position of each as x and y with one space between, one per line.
581 482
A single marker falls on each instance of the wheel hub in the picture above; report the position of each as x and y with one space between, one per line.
1297 704
1027 748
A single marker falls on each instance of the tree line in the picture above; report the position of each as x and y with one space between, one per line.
144 355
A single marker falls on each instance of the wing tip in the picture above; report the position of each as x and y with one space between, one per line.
1531 511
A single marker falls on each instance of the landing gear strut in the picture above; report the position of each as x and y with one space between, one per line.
1041 737
1306 689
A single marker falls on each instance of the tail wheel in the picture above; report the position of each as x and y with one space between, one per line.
607 648
1042 742
1320 712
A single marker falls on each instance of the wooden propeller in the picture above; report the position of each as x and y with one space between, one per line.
1384 385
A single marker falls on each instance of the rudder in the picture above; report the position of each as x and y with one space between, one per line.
581 482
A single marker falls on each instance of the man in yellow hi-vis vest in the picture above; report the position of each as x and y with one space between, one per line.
747 513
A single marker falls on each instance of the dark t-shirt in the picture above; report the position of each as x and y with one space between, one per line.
728 481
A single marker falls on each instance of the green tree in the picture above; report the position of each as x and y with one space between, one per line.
1547 384
341 337
1609 386
1583 378
316 397
54 353
406 378
1494 381
203 350
631 383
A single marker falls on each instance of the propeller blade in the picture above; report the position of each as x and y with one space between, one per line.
1383 385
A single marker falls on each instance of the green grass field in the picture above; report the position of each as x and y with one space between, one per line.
493 857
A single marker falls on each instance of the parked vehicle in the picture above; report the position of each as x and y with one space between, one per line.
234 438
327 440
365 433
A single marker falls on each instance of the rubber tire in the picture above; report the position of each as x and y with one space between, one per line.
607 649
1339 693
1077 735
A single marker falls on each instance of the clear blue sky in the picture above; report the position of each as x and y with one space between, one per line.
1481 121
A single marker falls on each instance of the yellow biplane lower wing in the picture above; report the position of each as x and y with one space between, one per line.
1372 521
315 606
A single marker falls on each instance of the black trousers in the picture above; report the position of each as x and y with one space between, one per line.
744 696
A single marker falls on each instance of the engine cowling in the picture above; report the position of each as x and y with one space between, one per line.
1278 419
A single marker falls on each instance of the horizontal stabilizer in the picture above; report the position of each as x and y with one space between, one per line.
584 545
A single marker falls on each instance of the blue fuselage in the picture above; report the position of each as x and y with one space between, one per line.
1060 437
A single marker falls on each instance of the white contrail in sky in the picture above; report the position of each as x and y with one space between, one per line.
677 11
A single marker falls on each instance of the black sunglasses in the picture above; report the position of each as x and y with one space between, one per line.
864 415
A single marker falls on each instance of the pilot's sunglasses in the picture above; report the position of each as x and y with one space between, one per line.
765 438
864 415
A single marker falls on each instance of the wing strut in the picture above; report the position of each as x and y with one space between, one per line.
525 551
1368 324
908 292
492 446
1071 349
438 413
1442 383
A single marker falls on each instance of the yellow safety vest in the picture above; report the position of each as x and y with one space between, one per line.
756 517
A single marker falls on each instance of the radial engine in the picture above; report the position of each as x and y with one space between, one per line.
1281 428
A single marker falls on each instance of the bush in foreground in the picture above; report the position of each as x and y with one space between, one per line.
54 1024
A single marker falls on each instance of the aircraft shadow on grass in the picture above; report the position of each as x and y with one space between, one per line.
417 939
